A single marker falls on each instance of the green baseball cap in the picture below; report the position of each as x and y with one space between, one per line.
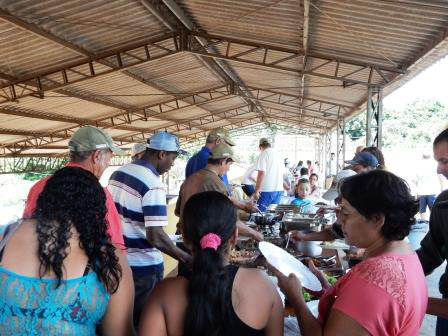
223 134
264 141
222 151
89 138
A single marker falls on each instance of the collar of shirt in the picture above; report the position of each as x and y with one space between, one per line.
147 165
74 164
211 171
205 151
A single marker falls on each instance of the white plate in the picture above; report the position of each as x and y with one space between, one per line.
287 264
313 306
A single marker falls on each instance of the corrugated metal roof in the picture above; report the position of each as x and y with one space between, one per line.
249 72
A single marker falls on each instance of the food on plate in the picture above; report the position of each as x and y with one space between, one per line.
243 256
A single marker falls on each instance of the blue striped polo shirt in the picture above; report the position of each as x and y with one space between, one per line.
140 197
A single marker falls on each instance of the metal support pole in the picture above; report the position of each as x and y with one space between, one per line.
369 117
340 145
328 156
379 120
374 118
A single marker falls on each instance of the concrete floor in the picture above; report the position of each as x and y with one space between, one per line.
429 323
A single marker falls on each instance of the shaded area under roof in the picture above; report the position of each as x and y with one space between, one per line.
188 66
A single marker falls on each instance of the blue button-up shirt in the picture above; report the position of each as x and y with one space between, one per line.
199 161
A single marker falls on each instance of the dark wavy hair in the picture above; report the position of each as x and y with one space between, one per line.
209 288
378 154
381 192
73 198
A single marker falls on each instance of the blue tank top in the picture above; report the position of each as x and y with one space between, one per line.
34 306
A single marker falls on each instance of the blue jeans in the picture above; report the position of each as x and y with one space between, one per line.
269 197
143 285
426 201
248 189
441 327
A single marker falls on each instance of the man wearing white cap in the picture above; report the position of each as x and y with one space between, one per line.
90 149
140 197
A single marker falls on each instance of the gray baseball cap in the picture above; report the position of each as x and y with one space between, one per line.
222 151
88 138
223 134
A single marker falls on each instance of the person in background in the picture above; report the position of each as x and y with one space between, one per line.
332 195
310 166
302 197
359 149
385 294
59 271
91 149
304 173
207 179
363 162
140 197
298 167
270 179
378 154
427 183
218 298
315 190
248 181
137 151
287 178
200 159
434 247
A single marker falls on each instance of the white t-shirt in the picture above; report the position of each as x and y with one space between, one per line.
249 175
272 164
427 181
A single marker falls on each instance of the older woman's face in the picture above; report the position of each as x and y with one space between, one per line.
358 230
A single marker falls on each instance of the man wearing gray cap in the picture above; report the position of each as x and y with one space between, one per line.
140 197
200 159
207 179
91 149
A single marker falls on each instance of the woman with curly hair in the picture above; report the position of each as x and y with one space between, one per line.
59 272
386 293
218 299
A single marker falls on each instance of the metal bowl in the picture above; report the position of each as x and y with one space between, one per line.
265 219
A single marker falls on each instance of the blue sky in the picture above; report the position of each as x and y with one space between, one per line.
430 84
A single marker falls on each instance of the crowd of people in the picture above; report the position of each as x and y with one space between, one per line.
87 260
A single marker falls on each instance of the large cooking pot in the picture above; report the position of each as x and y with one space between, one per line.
265 219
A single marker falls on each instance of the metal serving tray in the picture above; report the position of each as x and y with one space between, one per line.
301 222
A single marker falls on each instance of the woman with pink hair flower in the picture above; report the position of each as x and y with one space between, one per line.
218 298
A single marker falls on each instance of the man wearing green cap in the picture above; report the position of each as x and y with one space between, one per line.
207 179
200 159
91 149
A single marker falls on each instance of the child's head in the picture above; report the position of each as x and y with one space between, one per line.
303 188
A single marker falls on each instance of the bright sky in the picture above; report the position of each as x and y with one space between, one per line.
431 83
